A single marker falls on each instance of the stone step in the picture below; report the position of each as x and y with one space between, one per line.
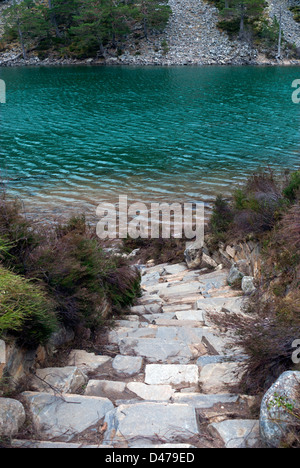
219 377
69 379
42 444
237 433
150 423
87 362
171 374
67 416
200 401
158 350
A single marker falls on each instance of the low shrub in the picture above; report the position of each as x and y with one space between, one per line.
293 188
25 310
83 283
271 322
80 277
255 207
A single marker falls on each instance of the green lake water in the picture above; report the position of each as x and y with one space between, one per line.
73 137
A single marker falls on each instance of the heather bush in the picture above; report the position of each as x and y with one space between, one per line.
271 321
25 310
255 207
293 188
84 284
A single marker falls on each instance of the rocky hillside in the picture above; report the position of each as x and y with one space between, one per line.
291 29
191 38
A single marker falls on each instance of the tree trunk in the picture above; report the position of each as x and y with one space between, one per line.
21 40
280 36
242 23
145 25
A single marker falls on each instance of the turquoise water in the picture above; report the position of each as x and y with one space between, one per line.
73 137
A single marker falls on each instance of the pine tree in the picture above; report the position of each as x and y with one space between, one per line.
153 14
28 21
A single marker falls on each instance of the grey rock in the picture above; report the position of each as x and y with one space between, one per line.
237 433
217 378
275 419
171 374
87 361
234 275
149 423
156 349
41 444
12 417
248 285
106 389
151 392
197 315
62 379
128 365
193 255
174 269
65 417
199 401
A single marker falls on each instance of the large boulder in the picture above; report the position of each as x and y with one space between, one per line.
278 408
235 275
193 255
12 417
248 285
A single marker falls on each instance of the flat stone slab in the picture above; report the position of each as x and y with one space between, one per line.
178 323
128 323
116 336
205 360
151 392
66 417
216 304
176 308
237 433
171 374
150 423
217 344
68 379
193 315
162 316
87 361
41 444
146 309
184 289
199 401
174 269
128 365
157 350
215 378
106 389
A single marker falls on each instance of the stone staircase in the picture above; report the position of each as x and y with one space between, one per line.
164 379
291 29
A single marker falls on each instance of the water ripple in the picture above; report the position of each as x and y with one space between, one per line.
72 137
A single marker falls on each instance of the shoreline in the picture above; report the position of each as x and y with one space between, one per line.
132 61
